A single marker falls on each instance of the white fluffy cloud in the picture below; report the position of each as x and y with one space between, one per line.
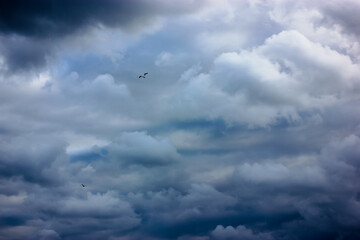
287 74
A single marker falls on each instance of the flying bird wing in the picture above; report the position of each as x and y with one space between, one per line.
145 74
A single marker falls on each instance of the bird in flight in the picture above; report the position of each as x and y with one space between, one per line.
83 185
143 76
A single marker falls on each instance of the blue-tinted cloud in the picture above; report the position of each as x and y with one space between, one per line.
246 126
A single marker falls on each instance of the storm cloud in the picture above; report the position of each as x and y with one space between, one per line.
246 127
30 30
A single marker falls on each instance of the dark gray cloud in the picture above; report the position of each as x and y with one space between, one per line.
35 162
346 17
31 30
23 53
55 18
266 197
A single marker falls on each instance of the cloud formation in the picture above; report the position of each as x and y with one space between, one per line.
31 30
246 127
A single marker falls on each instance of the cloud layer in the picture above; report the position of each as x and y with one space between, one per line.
246 127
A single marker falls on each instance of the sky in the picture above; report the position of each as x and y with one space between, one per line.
246 127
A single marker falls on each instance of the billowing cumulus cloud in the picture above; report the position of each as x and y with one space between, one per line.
245 127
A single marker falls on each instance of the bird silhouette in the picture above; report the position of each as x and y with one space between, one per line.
143 76
83 185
